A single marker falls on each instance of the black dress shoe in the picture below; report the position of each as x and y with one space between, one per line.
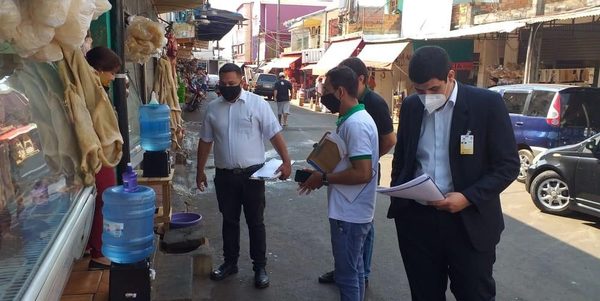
223 271
366 283
327 278
261 279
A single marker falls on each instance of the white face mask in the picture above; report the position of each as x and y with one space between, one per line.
432 102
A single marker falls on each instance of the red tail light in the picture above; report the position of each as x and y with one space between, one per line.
553 117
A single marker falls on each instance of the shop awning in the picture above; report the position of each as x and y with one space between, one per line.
381 55
335 54
574 14
283 62
165 6
280 62
308 67
218 23
497 27
508 26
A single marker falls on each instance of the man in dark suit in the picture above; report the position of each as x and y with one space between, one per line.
462 137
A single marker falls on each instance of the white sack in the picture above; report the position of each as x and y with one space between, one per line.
74 31
51 13
30 37
49 53
102 6
10 17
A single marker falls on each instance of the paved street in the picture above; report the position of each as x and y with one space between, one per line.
540 257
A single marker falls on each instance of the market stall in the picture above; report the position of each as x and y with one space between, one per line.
51 143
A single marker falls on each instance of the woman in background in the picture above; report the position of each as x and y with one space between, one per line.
106 63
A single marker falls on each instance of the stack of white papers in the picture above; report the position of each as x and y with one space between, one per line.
269 171
421 189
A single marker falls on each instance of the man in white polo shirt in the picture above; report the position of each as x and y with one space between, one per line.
237 123
351 210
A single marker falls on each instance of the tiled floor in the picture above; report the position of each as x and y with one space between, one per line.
84 285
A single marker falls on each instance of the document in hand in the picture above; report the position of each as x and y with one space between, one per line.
421 189
328 153
268 171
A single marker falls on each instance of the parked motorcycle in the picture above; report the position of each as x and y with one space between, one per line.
198 95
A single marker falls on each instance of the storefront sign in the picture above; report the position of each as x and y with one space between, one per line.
462 66
184 30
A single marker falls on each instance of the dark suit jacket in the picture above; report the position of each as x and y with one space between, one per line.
479 177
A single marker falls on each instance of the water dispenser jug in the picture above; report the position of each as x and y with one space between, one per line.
128 235
155 130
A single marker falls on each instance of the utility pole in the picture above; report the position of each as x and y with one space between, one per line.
117 17
278 24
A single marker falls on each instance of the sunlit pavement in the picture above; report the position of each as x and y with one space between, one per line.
540 257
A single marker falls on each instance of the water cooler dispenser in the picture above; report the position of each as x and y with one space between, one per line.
155 136
128 237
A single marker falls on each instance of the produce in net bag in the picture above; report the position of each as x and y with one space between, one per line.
102 6
49 53
30 37
51 13
145 38
74 31
10 17
139 28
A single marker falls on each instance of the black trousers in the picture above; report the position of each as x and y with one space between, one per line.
234 191
435 247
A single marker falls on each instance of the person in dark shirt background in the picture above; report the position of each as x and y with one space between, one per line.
283 88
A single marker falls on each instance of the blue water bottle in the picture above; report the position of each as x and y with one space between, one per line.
128 235
155 126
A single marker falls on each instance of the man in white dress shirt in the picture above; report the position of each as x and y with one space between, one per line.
237 123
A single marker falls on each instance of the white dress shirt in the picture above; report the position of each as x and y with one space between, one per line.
239 129
434 144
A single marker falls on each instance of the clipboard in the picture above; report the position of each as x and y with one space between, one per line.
326 155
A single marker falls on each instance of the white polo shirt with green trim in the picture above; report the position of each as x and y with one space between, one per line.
359 132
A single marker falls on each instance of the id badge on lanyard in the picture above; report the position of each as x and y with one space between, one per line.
467 143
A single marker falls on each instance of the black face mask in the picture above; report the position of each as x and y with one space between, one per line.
331 102
230 92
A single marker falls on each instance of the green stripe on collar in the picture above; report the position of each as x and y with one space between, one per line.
354 109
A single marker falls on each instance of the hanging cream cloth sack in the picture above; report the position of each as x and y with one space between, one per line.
166 88
57 134
92 113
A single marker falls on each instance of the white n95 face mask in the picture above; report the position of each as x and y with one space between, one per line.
432 102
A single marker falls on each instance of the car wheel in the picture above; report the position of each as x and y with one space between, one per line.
550 193
525 157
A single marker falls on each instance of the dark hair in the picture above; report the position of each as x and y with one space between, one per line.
103 59
342 76
427 63
230 67
357 65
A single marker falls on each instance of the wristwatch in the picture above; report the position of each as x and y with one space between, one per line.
324 179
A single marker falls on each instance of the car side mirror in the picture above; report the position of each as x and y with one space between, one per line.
594 147
590 145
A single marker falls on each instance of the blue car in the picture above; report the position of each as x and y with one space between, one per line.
546 116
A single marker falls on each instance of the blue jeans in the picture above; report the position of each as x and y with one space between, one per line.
368 251
347 241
